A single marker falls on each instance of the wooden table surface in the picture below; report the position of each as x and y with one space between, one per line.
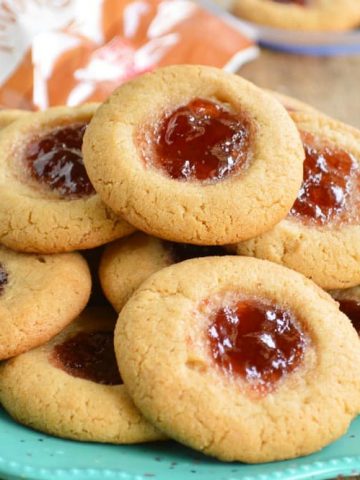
332 84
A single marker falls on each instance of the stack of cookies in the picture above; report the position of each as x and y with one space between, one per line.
232 221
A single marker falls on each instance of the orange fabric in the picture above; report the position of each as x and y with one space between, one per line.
136 37
17 91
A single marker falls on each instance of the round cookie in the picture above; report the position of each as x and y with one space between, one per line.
306 15
39 296
194 154
251 362
126 263
71 386
349 303
321 236
8 116
48 204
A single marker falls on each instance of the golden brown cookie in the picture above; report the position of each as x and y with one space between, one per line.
126 263
306 15
71 386
196 155
251 363
47 201
321 236
39 296
349 303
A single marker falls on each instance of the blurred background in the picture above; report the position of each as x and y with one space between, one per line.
73 51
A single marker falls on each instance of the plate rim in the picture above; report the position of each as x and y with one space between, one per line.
316 470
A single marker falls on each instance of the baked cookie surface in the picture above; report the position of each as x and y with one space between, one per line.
320 237
71 386
181 152
126 263
48 204
306 15
39 296
251 363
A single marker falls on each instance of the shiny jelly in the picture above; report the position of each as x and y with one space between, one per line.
351 308
330 185
89 355
202 141
3 278
56 161
257 340
184 251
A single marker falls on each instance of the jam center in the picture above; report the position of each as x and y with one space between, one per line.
202 141
56 160
351 308
89 355
3 278
331 182
184 251
256 340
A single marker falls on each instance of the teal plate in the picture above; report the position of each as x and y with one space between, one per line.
27 454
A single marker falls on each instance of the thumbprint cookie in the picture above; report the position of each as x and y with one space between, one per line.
236 356
321 235
48 204
193 154
71 386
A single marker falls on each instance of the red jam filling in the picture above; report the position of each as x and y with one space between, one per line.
89 355
257 340
184 251
351 308
202 141
3 278
331 182
56 161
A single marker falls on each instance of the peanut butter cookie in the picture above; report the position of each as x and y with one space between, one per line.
48 204
321 236
71 387
195 155
224 355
